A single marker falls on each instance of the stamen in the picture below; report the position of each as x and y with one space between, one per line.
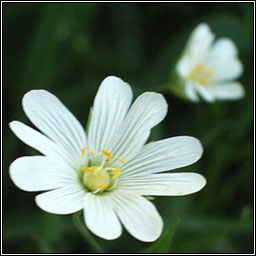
92 153
101 186
115 171
200 74
101 165
83 152
109 169
116 175
107 154
121 160
86 169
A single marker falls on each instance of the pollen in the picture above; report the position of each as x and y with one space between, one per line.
115 171
116 175
101 186
107 154
180 193
92 153
121 160
86 169
200 74
83 152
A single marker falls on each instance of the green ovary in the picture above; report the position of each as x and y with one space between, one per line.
96 178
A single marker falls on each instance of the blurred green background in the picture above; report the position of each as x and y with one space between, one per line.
69 49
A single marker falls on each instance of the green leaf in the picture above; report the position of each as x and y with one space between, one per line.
163 244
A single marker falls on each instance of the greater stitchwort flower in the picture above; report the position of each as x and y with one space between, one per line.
209 68
108 170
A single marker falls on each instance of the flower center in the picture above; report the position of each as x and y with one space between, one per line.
95 178
200 74
100 178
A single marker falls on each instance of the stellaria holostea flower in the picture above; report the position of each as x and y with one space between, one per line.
209 68
107 171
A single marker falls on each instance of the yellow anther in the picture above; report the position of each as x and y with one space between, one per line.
86 169
180 193
116 175
115 171
92 153
101 186
83 152
107 154
121 160
100 176
200 74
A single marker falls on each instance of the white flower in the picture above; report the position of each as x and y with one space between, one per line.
107 172
209 68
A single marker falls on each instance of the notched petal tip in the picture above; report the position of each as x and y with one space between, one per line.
115 82
113 85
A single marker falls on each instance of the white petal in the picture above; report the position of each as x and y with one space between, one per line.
164 155
50 116
65 200
227 69
191 92
184 66
100 217
147 111
138 215
204 92
223 62
39 173
199 43
228 91
39 142
167 184
109 110
223 48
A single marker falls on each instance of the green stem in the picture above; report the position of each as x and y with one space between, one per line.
85 233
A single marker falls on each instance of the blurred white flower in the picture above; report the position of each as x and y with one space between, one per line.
209 68
108 173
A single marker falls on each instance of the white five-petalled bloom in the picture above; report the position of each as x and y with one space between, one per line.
108 171
209 68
